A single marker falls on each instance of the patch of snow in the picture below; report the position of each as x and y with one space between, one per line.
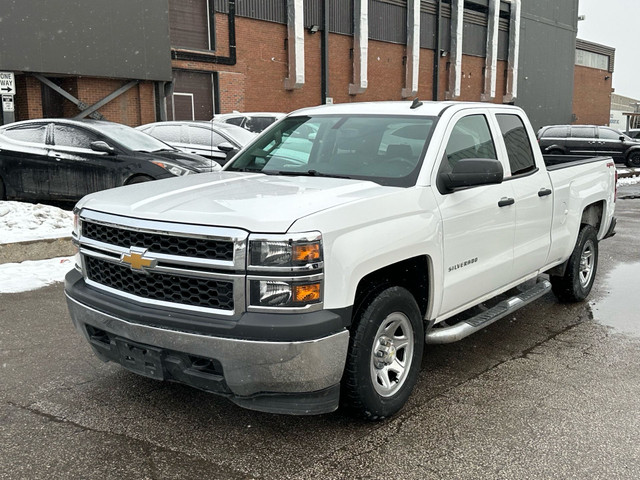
21 222
629 180
31 275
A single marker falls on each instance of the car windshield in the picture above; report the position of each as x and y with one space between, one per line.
385 149
133 139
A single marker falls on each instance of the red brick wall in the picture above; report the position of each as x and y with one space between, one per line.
591 96
135 107
256 82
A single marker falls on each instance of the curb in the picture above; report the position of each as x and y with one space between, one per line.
36 250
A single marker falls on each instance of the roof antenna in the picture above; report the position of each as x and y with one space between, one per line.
416 103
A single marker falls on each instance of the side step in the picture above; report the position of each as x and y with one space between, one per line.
472 325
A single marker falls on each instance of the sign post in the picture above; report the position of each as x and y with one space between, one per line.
7 90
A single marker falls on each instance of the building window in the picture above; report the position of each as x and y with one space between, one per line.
191 24
592 60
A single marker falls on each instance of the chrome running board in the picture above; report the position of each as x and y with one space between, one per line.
472 325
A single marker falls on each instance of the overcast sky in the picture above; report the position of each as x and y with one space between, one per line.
615 23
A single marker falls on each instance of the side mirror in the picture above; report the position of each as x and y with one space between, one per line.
471 172
622 138
101 146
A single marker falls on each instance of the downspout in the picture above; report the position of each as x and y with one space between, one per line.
295 44
324 52
491 59
436 54
360 46
413 49
514 50
455 70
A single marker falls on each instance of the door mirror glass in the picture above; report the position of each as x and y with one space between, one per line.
101 146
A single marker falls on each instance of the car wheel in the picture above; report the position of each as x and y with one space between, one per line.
633 160
385 352
2 190
576 283
138 179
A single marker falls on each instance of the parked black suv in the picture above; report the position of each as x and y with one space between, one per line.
590 140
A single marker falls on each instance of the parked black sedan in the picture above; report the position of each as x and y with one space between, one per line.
217 141
64 159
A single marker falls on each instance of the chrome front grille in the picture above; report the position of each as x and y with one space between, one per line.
165 264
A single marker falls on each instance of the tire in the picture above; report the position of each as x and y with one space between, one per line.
385 352
576 283
633 159
138 179
2 190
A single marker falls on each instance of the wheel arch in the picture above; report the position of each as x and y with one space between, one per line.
414 274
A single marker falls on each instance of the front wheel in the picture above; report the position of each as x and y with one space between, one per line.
576 283
633 160
385 352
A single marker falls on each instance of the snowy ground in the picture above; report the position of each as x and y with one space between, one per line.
23 222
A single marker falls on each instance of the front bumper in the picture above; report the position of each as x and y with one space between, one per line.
297 377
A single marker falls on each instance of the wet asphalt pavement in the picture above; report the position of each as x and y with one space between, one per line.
550 392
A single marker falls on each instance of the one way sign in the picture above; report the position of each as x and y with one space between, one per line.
7 83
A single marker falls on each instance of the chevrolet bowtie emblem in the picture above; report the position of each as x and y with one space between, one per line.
137 260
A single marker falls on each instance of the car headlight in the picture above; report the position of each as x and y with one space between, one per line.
288 253
177 170
285 271
274 292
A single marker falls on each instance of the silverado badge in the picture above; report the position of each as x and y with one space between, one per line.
137 260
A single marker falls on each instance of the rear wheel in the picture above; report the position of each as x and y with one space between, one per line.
633 159
385 352
576 283
138 179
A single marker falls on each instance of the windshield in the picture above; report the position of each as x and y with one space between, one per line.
133 139
382 148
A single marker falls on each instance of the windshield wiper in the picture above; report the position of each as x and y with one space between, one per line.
307 173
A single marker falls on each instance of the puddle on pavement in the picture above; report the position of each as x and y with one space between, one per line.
620 308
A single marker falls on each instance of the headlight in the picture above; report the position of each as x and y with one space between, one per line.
274 292
287 253
285 271
177 170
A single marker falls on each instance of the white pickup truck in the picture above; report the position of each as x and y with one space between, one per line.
311 271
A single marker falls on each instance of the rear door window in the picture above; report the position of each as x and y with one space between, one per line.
167 133
204 136
517 143
583 132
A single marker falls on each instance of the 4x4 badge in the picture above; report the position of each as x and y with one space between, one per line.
136 259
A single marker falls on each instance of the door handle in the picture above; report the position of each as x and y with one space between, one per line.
543 192
506 201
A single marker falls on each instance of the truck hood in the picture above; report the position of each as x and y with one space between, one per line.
253 202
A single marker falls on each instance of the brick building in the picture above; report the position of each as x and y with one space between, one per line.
137 62
592 83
